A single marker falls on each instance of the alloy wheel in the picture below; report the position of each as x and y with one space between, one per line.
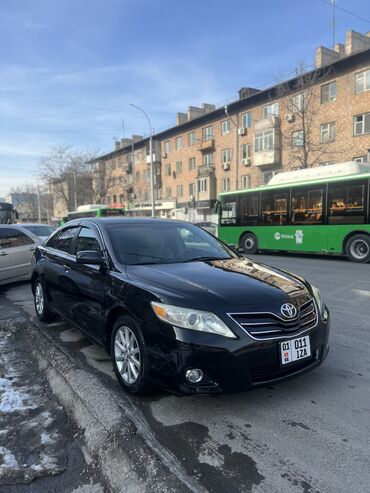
39 299
127 355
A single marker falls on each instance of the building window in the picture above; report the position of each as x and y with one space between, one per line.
266 177
121 198
167 146
208 159
191 189
264 141
147 175
137 176
246 151
180 190
168 192
179 167
361 124
191 138
298 138
363 81
246 120
225 127
168 170
271 110
360 159
328 92
178 143
327 132
207 133
202 185
108 199
146 196
114 199
245 181
192 164
226 156
298 103
226 185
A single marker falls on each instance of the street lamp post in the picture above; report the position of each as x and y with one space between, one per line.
151 157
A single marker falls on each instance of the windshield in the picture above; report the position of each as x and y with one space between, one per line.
42 230
157 243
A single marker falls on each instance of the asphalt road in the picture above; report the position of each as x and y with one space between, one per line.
308 434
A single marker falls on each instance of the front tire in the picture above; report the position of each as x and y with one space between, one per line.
43 312
129 354
358 248
249 243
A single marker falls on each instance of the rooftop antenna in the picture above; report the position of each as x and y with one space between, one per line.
333 2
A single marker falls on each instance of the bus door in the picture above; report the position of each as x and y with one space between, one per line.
307 219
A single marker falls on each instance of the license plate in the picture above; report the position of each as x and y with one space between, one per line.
295 349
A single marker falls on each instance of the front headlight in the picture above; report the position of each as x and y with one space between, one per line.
319 302
192 319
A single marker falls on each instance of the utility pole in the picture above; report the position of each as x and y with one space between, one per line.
236 153
38 203
75 188
151 157
334 21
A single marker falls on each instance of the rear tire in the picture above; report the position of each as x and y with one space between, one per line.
248 243
43 312
358 248
129 355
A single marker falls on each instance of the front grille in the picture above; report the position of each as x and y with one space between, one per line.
269 373
263 325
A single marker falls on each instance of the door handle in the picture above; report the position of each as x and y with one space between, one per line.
3 254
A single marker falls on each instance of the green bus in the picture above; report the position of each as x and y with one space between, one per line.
318 210
94 211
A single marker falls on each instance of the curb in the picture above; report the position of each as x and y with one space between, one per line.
116 434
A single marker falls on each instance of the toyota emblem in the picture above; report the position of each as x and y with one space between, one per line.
288 310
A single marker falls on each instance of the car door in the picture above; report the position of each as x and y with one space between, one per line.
16 250
58 257
89 302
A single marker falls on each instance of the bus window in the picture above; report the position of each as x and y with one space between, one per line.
307 206
248 209
228 209
346 203
274 209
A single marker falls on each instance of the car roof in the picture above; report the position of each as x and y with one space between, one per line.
24 225
123 220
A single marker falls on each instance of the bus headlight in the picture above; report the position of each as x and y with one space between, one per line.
192 319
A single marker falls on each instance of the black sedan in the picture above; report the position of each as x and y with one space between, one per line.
175 307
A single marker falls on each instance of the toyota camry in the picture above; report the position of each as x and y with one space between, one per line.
177 308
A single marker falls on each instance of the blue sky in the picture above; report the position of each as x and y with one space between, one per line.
70 68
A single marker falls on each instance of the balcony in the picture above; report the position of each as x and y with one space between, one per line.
267 139
206 170
156 158
207 145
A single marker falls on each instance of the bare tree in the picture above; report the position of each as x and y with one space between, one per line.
32 203
300 101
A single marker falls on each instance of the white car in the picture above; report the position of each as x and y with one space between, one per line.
43 231
16 249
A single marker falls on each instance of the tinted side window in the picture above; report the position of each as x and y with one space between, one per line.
248 209
64 240
346 203
307 206
87 240
12 237
274 208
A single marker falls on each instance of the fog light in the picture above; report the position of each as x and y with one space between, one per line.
195 375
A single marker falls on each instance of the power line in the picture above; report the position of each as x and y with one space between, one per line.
346 11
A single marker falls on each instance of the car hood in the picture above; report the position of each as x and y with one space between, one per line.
231 282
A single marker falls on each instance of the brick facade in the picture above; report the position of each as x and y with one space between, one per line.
189 190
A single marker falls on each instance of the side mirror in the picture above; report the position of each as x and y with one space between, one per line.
90 257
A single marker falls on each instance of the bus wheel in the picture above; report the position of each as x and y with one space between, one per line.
358 248
249 243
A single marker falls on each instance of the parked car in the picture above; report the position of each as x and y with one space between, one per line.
16 249
177 308
208 226
43 231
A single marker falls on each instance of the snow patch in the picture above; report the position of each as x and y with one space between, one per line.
7 459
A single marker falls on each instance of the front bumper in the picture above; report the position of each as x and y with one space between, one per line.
234 365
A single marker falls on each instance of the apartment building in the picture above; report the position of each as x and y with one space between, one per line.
318 117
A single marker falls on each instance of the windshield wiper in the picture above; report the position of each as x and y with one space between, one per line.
196 259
